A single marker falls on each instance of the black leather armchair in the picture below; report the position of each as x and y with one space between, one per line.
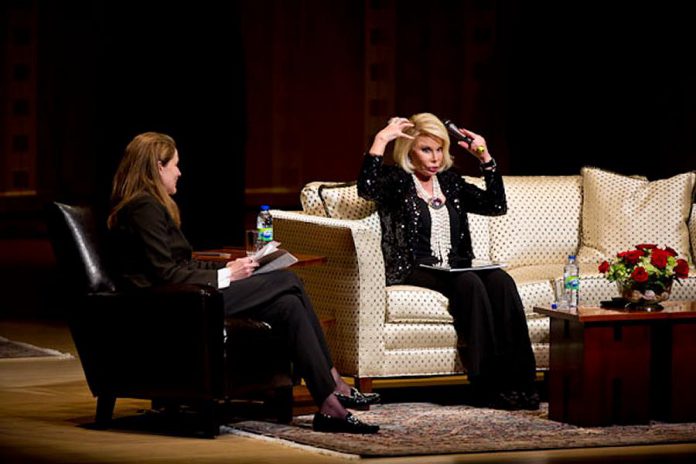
170 344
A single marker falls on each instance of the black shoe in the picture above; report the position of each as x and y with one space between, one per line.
357 399
508 400
530 400
349 424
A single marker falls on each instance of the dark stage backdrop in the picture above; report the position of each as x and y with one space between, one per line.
266 96
113 69
607 84
553 86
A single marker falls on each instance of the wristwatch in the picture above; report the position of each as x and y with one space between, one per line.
489 166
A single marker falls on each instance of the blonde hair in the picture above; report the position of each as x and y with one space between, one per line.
426 124
138 173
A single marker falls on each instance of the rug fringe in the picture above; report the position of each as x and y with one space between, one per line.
228 430
49 352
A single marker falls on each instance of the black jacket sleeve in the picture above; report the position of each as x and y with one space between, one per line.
488 202
378 182
156 250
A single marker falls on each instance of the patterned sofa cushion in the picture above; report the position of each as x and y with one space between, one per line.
409 304
542 223
309 198
338 200
620 212
341 201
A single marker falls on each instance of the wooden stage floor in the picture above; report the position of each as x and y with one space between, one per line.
45 408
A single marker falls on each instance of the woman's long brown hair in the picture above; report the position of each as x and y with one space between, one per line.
138 173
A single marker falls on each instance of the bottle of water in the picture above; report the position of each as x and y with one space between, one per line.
264 223
571 283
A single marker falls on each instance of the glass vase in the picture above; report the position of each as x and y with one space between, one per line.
645 297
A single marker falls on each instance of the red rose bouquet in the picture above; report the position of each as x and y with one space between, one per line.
645 273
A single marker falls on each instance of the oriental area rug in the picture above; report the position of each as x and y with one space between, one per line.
409 429
10 349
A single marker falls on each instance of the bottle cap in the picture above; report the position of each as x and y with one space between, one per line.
554 305
265 207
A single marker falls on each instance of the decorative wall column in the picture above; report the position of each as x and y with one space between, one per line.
18 99
380 61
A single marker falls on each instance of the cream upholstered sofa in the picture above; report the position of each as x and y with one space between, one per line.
379 331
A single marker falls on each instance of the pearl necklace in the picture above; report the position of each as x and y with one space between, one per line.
440 244
435 201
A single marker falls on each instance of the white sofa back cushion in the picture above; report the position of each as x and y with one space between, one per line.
542 223
620 212
339 200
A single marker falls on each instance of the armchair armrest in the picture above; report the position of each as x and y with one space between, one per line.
349 288
165 341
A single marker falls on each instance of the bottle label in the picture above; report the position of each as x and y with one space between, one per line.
265 234
572 282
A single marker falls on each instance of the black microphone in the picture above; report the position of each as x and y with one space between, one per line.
454 132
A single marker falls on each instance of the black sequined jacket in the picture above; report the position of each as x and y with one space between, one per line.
392 189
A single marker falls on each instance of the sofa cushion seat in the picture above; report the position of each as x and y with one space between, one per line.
536 293
419 362
419 336
410 304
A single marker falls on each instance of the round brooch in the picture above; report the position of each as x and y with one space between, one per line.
436 203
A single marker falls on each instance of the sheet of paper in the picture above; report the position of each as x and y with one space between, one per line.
476 265
271 258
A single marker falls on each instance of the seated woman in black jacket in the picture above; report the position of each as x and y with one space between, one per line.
150 249
423 213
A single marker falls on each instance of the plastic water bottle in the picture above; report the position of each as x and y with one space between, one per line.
571 283
264 223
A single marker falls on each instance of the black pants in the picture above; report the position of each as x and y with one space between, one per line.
279 299
489 317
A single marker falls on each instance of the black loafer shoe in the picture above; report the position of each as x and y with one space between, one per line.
530 401
507 400
357 399
348 424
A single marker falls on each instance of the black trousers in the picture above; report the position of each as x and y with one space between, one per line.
279 298
489 318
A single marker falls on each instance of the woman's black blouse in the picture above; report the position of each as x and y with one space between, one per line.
399 210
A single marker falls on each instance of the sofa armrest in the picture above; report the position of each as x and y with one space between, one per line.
348 290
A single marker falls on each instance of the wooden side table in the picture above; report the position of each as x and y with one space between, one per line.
622 367
231 253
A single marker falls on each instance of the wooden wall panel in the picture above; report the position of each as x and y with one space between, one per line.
304 95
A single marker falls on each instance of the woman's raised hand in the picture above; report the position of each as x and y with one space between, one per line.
393 130
241 268
477 147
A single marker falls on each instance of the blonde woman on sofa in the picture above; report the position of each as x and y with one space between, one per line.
150 249
423 210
